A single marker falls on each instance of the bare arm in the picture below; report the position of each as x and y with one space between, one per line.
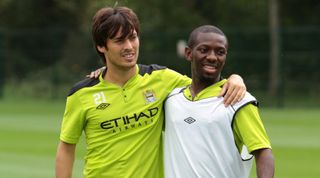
264 163
234 90
64 160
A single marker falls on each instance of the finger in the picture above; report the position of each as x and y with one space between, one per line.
96 73
99 71
224 89
92 75
240 93
236 94
232 98
227 97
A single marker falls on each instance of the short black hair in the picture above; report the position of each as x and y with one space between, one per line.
203 29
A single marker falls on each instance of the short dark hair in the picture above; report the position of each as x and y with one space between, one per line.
203 29
108 21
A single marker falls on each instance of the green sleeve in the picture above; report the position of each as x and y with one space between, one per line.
248 129
174 79
73 120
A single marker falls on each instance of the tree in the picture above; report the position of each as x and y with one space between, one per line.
274 80
35 32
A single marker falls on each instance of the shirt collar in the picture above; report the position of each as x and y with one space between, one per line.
128 84
211 91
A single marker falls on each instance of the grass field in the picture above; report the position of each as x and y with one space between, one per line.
29 133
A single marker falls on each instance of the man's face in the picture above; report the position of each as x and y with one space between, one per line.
208 56
122 53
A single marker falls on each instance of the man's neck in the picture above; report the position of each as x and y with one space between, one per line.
119 77
197 86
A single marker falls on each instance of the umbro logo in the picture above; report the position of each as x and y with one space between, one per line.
102 106
189 120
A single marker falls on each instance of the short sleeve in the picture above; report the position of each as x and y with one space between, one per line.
249 130
73 120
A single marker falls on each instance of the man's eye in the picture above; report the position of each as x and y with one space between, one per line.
203 50
133 37
221 52
118 41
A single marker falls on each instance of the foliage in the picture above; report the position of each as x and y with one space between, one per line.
298 13
55 36
35 32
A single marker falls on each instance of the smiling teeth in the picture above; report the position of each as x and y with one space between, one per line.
209 65
127 55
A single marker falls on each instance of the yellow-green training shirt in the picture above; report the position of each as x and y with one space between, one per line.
122 125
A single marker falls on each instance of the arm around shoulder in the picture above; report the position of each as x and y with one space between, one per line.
234 90
264 163
64 160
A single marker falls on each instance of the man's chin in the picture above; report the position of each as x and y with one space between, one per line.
129 65
209 77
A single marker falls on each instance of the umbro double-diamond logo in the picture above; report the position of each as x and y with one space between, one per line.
189 120
102 106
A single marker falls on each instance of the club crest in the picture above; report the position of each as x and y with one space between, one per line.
149 96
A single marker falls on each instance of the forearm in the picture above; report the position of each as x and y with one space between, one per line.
64 160
264 163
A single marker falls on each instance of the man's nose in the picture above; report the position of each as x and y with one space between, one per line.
127 44
211 55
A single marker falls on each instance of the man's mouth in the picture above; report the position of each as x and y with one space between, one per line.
128 55
209 66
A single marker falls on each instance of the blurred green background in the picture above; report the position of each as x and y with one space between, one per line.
46 47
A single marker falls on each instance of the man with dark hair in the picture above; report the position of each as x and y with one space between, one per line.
121 111
203 138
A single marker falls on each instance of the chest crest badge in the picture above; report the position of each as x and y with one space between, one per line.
149 96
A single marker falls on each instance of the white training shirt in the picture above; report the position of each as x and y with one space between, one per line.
199 141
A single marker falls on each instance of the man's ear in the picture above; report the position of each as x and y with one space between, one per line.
187 53
101 49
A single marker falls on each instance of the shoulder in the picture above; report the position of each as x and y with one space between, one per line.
88 82
155 68
248 99
148 69
176 91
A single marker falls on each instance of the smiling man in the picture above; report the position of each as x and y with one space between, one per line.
203 138
121 111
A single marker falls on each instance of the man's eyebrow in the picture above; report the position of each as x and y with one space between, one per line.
120 38
133 34
203 45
